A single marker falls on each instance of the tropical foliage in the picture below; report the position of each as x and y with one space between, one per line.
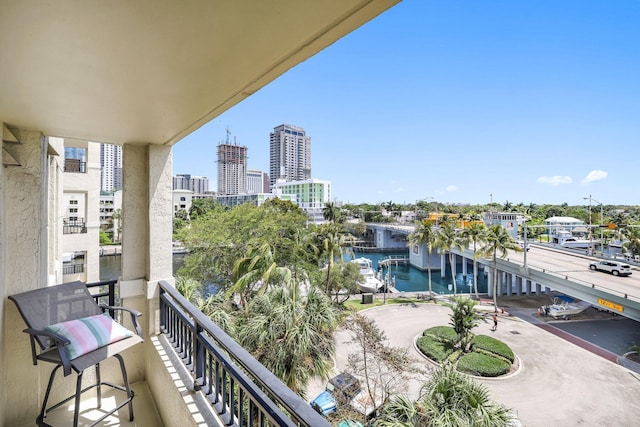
449 399
447 239
291 334
497 241
463 320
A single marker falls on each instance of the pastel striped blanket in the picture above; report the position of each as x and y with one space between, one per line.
89 333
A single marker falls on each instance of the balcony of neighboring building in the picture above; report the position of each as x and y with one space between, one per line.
75 165
73 225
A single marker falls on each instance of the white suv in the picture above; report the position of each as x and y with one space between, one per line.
614 267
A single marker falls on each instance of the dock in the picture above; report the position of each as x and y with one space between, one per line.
393 260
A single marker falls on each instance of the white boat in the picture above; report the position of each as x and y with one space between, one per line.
564 307
572 242
567 240
371 283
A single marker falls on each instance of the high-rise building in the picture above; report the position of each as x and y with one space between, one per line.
257 182
110 167
232 169
290 154
195 184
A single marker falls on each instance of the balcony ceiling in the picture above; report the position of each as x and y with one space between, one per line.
153 71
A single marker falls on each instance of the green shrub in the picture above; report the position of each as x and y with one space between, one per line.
443 333
482 365
492 345
434 349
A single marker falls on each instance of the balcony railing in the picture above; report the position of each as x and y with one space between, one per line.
104 293
240 389
73 269
73 227
75 165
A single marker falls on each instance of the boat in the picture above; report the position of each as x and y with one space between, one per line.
371 282
567 240
564 307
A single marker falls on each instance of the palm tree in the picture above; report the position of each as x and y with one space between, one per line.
116 216
447 239
475 234
330 212
463 320
448 399
632 234
497 239
254 273
292 336
332 241
424 234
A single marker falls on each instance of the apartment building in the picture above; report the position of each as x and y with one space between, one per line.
110 167
289 154
79 211
311 195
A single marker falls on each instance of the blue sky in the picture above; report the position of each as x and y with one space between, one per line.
462 101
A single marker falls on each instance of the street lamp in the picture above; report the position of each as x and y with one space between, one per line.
601 223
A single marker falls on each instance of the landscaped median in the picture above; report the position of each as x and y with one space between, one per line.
486 356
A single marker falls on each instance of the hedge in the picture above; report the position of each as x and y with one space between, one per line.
482 365
443 333
433 348
492 345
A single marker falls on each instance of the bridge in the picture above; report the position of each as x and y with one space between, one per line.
540 270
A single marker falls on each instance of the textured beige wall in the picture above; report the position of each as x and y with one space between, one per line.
24 205
3 289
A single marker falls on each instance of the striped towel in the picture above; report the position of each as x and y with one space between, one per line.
89 333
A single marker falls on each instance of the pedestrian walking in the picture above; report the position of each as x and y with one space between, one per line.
495 322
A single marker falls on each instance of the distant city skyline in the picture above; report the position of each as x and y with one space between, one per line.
462 102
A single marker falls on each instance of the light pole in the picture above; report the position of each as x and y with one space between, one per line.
601 222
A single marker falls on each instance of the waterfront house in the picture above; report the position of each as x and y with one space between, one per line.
142 75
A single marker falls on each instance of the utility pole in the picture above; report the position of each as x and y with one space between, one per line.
601 223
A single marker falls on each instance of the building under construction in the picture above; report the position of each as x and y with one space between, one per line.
232 168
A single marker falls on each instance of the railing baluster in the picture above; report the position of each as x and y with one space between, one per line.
241 390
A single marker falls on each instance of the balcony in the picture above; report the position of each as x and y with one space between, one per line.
75 226
75 165
205 376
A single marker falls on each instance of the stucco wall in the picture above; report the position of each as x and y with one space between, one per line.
3 288
23 210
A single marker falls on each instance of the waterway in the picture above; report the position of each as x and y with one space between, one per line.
411 279
407 278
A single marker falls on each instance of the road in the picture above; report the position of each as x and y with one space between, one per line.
575 266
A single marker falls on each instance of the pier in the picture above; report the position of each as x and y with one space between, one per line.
394 260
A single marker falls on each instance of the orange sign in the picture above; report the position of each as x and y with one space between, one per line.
611 305
611 225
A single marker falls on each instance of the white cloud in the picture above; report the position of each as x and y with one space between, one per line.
554 180
451 188
400 190
595 176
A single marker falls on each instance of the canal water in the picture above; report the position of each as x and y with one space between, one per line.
411 279
407 278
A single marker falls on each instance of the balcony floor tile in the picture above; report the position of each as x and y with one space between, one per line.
144 410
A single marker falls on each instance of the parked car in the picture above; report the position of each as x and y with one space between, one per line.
345 384
614 267
521 244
